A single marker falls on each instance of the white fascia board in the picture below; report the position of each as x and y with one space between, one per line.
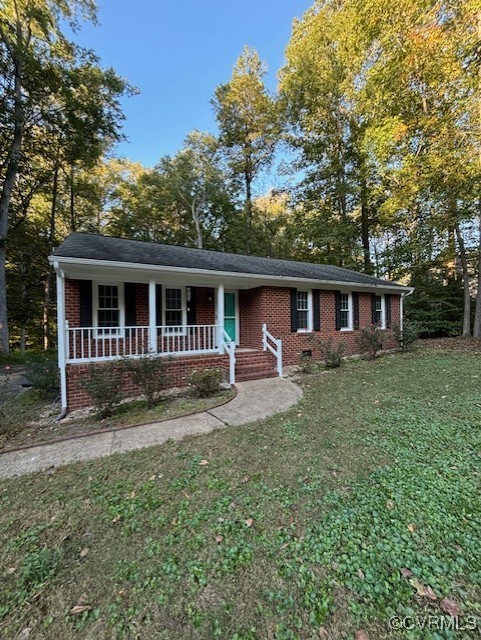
253 278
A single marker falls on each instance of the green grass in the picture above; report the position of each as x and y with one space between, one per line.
297 527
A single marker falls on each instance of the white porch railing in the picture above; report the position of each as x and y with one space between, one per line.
229 346
267 339
88 344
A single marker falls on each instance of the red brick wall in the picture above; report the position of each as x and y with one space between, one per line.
72 302
205 307
272 306
250 319
177 372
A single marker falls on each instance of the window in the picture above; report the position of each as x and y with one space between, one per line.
345 314
378 311
304 311
108 309
174 309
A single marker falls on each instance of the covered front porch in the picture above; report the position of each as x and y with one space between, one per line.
109 313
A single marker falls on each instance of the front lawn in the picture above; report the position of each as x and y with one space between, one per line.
358 505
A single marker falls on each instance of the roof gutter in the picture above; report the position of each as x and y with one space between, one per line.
210 272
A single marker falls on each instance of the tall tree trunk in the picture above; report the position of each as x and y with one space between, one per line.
451 272
5 199
23 339
48 278
368 266
73 224
465 277
197 224
477 313
248 211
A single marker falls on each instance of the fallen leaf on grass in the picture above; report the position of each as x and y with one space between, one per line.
323 633
361 575
11 570
406 573
203 463
219 539
79 608
422 590
249 522
411 528
390 505
451 608
84 552
361 635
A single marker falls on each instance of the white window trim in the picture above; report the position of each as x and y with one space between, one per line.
120 333
309 311
350 314
383 311
183 294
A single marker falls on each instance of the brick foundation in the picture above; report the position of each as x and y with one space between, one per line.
177 372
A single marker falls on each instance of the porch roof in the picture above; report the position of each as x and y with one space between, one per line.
97 250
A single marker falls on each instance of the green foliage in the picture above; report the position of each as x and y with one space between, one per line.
42 373
149 374
38 566
332 351
205 382
437 308
103 383
306 363
409 334
370 340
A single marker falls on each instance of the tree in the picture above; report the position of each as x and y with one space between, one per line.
249 127
30 37
60 109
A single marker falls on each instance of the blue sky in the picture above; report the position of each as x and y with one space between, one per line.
176 53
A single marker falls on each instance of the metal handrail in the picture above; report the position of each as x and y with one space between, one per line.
229 346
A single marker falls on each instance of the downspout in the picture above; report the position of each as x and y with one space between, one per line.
401 314
61 339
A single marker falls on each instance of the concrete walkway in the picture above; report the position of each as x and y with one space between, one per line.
255 400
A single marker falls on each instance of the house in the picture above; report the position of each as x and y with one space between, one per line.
247 315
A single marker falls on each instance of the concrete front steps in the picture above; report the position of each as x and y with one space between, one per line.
254 365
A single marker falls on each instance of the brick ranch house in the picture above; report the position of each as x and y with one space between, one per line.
249 316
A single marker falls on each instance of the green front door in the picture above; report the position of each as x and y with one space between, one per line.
230 314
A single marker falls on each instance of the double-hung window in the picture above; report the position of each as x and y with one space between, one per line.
379 311
174 309
108 310
346 311
304 311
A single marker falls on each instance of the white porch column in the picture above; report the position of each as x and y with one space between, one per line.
219 315
152 317
61 331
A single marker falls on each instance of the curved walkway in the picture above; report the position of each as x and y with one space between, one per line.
255 400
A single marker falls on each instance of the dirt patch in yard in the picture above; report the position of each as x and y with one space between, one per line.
30 420
468 345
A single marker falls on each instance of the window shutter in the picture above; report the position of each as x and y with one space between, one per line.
158 307
338 310
85 291
130 301
192 307
316 309
293 310
355 309
373 308
387 304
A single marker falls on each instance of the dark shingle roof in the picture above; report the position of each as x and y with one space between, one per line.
96 247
